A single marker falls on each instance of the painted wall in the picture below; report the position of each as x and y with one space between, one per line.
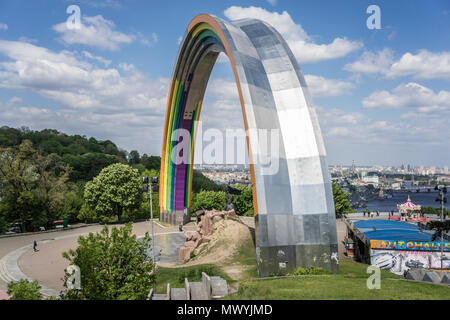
399 261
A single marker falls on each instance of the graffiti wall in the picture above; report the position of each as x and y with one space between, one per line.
399 261
410 245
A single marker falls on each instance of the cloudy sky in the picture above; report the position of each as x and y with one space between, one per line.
382 96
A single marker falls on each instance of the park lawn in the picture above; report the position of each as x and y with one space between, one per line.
349 284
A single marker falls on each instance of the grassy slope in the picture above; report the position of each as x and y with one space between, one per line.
350 283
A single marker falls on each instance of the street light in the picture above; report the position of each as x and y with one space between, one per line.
442 199
152 186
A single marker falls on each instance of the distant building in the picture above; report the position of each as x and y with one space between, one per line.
372 179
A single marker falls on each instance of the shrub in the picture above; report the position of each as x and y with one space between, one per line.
309 271
24 290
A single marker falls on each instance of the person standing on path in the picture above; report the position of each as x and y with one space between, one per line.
35 246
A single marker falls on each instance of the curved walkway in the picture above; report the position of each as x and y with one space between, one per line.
19 261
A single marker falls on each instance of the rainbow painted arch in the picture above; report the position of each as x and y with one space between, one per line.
293 205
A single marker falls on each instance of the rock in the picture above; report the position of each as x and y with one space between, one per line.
203 240
184 253
205 225
189 244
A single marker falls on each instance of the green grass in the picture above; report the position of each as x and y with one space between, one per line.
246 257
349 284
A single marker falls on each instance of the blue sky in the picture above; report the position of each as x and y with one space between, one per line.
382 96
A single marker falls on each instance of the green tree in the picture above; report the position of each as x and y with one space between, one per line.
436 211
134 157
24 290
53 185
243 202
3 222
145 207
439 228
73 202
200 182
113 266
116 188
19 180
151 162
208 200
341 203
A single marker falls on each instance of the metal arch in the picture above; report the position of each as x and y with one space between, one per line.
294 209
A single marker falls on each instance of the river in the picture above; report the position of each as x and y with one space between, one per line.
425 199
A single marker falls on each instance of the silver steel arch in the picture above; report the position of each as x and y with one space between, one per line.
294 208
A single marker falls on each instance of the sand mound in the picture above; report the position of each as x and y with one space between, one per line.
226 237
218 237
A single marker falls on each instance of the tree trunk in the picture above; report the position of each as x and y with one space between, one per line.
119 213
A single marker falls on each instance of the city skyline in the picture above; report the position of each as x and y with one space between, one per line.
381 96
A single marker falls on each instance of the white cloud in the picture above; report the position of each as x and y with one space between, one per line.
147 41
129 130
272 2
127 66
382 141
76 83
101 102
410 95
423 65
302 45
14 100
115 4
97 58
222 58
26 39
370 62
322 87
3 26
96 32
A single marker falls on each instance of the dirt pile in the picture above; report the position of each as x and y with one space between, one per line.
218 236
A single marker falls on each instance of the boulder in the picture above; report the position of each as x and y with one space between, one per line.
205 226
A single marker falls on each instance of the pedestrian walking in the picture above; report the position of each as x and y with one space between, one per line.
35 246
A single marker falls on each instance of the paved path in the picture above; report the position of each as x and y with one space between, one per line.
18 260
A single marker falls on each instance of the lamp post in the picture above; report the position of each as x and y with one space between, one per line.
442 199
151 186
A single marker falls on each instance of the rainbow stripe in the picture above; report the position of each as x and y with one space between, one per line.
176 179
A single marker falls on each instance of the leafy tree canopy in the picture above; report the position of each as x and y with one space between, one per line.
113 264
24 290
117 187
208 200
243 202
341 203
